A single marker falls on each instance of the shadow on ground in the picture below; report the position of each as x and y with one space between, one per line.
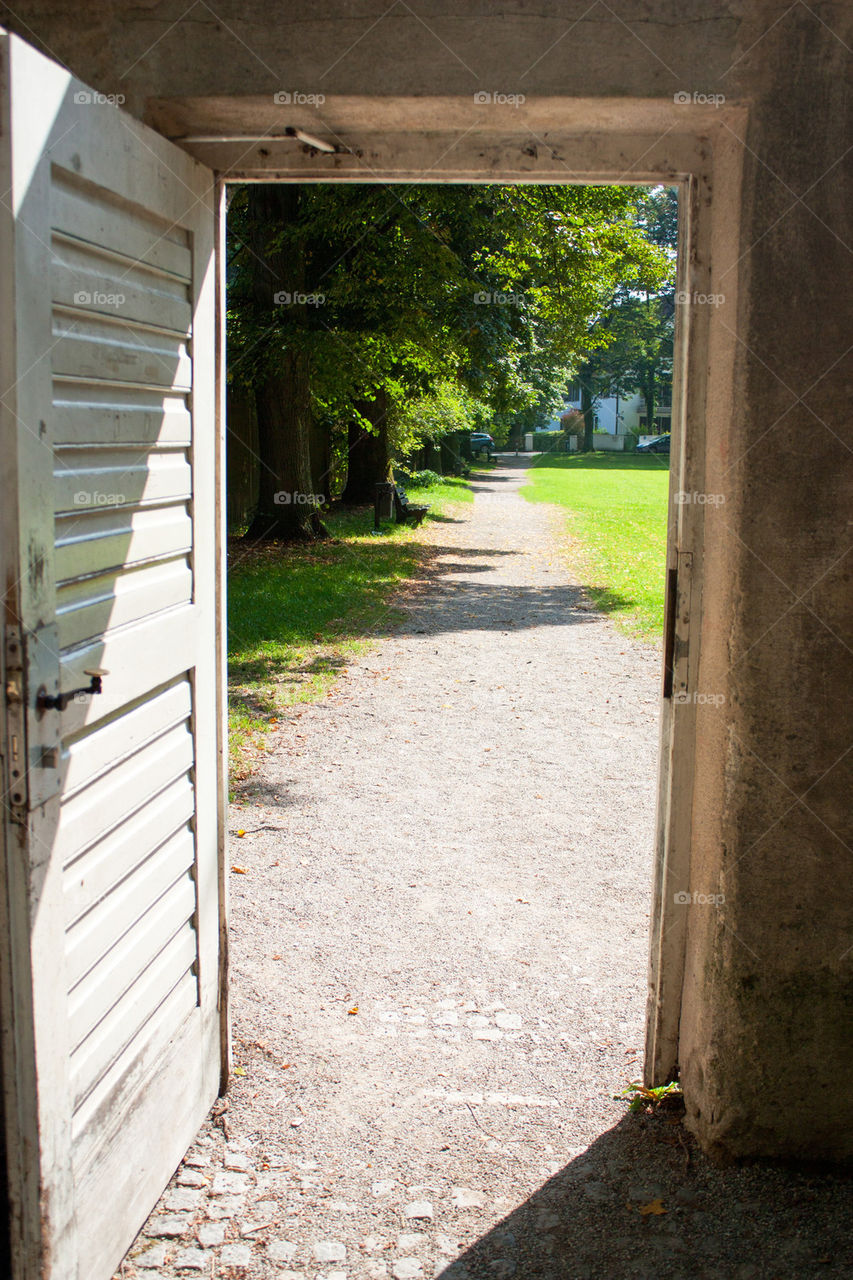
460 605
643 1202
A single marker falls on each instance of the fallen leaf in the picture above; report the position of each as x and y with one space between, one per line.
654 1206
241 871
239 1071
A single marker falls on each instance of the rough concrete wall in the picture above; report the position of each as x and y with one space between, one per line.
765 1043
646 48
768 1010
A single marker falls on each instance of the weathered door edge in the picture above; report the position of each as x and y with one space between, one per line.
667 930
709 214
222 641
24 1145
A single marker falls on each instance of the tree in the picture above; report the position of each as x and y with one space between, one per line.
367 449
630 346
412 289
279 372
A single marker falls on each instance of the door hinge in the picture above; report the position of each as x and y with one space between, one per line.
676 628
32 732
16 739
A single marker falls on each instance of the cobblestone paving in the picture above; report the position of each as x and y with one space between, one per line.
439 958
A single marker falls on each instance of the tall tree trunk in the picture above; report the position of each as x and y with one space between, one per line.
649 397
320 453
287 504
587 403
648 371
368 462
455 452
242 461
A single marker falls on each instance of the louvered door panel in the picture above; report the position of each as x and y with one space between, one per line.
116 545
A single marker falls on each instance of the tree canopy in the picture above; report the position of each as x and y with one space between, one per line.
394 314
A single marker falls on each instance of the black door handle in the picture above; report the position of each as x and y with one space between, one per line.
59 701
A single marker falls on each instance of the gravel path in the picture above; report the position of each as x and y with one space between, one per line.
439 959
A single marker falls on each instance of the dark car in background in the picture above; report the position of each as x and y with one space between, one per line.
482 442
660 444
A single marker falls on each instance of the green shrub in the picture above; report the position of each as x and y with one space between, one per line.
552 441
418 479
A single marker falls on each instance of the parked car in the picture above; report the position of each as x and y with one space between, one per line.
482 442
660 444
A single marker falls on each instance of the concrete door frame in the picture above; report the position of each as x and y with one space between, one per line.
567 141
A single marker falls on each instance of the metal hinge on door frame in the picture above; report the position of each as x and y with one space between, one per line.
678 583
16 739
32 731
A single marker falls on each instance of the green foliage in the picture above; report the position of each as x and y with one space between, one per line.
465 304
648 1099
449 407
630 344
418 479
616 517
549 441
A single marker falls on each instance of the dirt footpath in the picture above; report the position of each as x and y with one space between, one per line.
439 968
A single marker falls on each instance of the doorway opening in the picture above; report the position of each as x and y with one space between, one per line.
165 398
402 367
418 904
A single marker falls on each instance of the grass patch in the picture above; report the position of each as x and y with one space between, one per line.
297 614
616 508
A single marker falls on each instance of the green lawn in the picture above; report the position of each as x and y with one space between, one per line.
297 614
616 508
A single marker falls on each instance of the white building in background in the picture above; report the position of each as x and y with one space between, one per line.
619 415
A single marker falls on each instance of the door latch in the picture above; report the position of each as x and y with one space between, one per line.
32 749
59 701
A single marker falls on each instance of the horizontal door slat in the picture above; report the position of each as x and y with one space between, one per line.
92 541
106 478
89 422
112 981
92 937
111 350
103 866
85 212
97 809
94 606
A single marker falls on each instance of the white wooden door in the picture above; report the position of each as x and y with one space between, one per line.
110 950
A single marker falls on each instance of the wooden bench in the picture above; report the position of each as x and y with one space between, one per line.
407 512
